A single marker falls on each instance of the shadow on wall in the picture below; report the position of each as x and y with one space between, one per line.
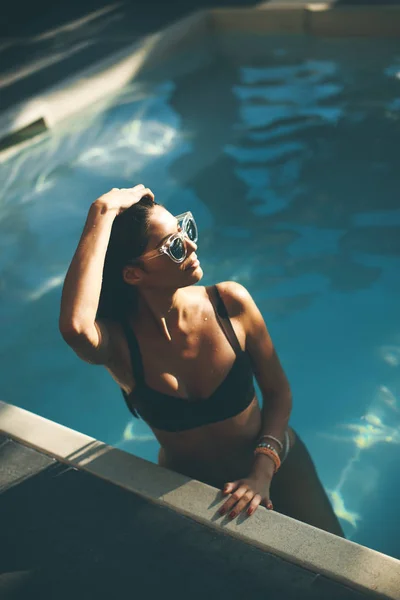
22 19
57 50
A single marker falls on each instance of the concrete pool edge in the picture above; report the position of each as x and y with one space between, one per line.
343 561
319 19
87 86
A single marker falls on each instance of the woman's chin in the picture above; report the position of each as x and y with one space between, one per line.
195 275
198 273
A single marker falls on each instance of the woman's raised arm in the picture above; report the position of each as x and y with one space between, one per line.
91 340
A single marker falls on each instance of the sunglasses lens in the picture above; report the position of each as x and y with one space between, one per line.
191 230
177 249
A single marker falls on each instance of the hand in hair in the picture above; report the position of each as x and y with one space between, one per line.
119 199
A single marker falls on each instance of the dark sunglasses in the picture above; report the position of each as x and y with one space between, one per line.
175 246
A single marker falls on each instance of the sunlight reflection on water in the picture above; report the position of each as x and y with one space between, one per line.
380 425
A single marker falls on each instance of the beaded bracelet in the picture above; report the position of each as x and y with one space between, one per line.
274 439
266 445
271 453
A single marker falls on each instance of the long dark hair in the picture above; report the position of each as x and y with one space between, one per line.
128 240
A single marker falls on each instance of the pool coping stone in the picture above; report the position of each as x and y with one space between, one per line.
351 564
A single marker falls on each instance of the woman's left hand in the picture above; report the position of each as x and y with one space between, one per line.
246 494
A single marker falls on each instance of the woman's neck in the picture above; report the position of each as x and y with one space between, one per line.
167 309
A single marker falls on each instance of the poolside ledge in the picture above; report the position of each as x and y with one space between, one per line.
342 561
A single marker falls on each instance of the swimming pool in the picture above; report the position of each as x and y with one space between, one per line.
285 149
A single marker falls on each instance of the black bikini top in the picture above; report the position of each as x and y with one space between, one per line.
170 413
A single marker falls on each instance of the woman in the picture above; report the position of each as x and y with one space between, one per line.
185 355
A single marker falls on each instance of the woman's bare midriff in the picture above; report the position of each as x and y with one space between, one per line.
213 453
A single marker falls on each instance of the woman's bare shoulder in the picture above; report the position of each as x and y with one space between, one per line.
235 297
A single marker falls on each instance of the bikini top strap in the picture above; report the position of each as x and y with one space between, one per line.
224 320
134 351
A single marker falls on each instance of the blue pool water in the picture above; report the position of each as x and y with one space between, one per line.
286 151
